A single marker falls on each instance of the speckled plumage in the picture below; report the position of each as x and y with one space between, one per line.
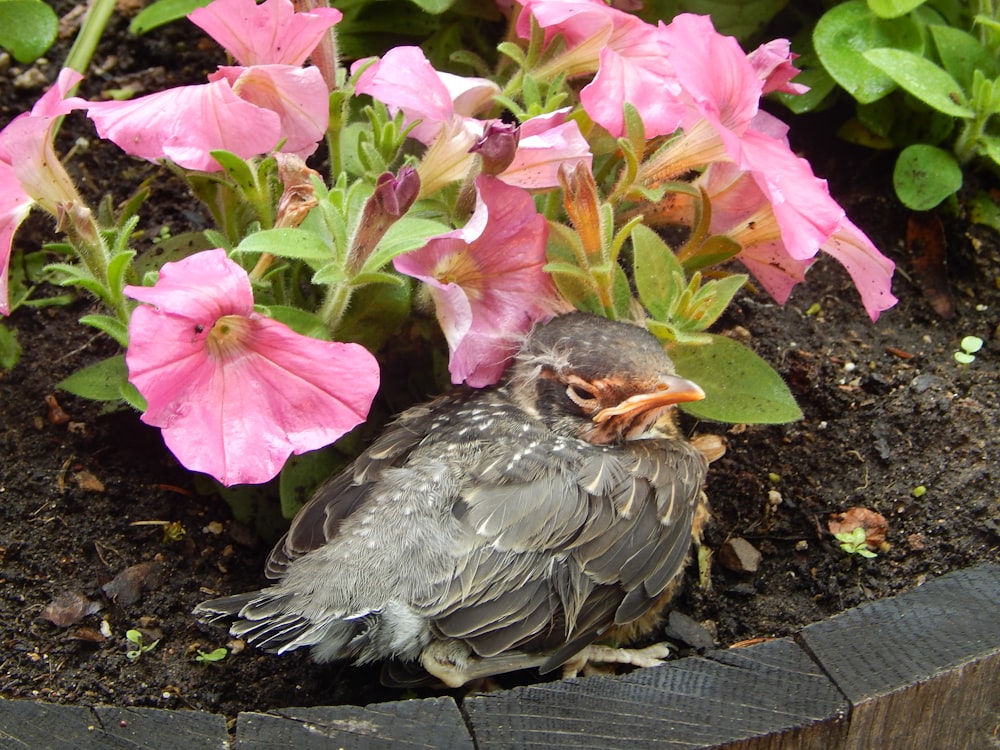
527 518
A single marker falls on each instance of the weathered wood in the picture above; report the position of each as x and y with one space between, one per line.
432 723
30 725
921 669
771 695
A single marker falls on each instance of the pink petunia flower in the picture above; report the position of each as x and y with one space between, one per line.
781 238
30 171
271 33
773 63
546 143
247 109
627 54
439 105
235 393
487 281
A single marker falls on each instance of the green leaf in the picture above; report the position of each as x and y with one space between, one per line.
739 386
101 381
849 29
287 243
925 175
409 233
893 8
111 326
656 271
922 78
28 30
984 209
962 54
118 268
10 349
237 168
163 12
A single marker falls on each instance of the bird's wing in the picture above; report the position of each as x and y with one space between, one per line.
575 539
318 521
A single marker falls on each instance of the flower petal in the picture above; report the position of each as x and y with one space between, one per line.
237 412
265 34
184 124
299 96
14 207
487 280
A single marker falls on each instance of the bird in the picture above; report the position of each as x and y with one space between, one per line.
497 529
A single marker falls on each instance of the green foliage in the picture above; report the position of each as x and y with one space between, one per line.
969 347
10 348
101 381
854 542
210 657
922 82
739 386
138 648
163 12
28 30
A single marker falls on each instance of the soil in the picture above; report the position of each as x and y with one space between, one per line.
887 410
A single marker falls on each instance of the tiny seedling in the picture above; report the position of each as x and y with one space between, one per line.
135 638
854 542
211 656
969 346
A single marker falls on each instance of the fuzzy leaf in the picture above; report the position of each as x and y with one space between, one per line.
303 474
656 271
740 387
10 349
111 326
101 381
287 243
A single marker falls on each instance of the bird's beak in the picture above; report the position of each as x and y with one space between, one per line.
670 389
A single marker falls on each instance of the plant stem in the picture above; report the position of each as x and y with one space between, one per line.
82 52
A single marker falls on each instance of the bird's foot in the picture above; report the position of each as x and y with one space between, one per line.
650 656
454 664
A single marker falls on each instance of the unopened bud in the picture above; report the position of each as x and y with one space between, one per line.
497 147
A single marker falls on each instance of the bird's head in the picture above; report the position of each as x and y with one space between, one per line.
599 380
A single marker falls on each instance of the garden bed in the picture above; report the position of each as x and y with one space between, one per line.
887 410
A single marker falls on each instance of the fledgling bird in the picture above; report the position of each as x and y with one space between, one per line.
499 529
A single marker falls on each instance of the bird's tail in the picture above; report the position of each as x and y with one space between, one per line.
270 621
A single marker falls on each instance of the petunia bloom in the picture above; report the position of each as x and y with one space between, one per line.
246 109
627 54
235 393
486 280
545 144
30 171
270 33
439 106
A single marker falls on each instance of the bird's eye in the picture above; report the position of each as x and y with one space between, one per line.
581 395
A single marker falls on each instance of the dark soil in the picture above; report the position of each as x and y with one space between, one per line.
886 407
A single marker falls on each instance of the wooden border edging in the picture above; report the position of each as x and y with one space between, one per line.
921 669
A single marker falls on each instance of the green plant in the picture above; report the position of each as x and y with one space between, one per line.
209 657
139 648
29 28
969 346
924 75
855 542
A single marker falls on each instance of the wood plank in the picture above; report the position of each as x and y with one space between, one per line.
769 695
31 725
922 665
430 723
